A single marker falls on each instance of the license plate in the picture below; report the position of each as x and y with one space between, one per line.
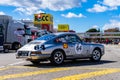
23 53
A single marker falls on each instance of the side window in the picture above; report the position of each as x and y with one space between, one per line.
67 38
78 39
60 39
73 38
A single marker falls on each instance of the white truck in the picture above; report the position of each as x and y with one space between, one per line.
13 34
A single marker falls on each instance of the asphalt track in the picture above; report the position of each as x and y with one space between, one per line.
107 69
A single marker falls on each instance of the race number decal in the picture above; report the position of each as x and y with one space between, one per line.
78 48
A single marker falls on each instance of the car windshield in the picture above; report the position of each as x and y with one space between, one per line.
46 37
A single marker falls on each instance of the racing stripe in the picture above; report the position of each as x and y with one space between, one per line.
25 74
4 68
88 75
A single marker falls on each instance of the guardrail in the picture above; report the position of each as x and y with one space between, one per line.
100 35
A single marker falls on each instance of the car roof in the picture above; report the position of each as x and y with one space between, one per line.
61 33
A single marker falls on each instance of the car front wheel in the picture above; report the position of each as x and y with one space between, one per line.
96 55
57 57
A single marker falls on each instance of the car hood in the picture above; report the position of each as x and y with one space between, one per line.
30 46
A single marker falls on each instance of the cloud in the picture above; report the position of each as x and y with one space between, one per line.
59 5
73 15
97 8
28 11
31 6
95 26
105 6
112 3
84 0
25 19
112 24
2 13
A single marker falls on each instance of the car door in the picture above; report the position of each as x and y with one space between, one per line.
82 49
66 44
76 46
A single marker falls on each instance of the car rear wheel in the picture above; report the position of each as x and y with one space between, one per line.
16 46
6 50
96 55
57 57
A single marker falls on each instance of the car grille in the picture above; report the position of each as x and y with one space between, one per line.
23 53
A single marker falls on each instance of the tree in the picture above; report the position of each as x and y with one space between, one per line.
93 30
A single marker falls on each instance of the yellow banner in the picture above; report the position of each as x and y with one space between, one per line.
63 27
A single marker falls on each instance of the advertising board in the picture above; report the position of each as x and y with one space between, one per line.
63 27
43 19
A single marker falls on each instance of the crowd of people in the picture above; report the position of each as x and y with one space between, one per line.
104 41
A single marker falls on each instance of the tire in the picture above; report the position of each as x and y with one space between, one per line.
16 46
35 62
96 55
57 57
6 50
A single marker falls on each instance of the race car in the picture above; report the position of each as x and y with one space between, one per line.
58 47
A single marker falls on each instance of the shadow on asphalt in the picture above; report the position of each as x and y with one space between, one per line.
70 63
10 51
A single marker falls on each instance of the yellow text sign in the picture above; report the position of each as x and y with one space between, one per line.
63 27
43 19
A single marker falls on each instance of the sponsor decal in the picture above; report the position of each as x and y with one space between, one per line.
65 45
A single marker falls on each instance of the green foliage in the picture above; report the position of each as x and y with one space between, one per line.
93 30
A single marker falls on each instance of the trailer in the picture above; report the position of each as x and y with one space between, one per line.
13 34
